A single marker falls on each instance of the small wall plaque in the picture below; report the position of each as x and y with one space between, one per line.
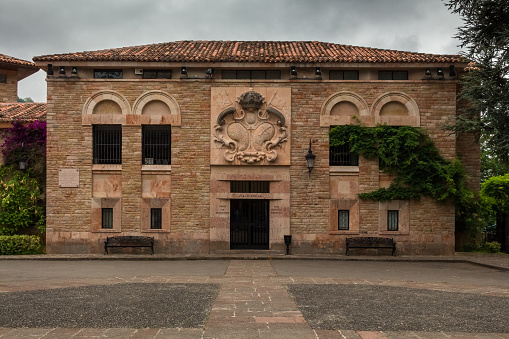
69 177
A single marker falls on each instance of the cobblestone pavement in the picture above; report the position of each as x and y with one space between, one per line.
253 301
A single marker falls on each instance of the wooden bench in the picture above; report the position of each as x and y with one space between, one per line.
128 241
370 242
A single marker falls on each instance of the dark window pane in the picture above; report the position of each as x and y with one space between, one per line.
385 75
392 220
257 75
400 75
229 74
249 186
156 218
164 74
107 144
342 156
351 75
343 220
273 75
156 145
149 74
107 218
336 75
108 74
3 79
243 74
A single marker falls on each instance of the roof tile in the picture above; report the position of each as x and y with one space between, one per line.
250 51
14 61
24 112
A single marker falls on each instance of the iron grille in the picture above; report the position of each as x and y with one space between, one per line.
342 156
250 186
107 146
107 218
343 220
156 218
392 220
108 74
156 145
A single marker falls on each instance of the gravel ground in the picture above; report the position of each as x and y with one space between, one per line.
133 305
384 308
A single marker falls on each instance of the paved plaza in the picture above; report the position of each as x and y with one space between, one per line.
134 297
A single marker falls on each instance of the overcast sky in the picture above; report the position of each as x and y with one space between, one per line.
30 28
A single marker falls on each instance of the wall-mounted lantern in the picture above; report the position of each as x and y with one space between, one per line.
310 159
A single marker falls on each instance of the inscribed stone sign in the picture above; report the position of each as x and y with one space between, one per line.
69 177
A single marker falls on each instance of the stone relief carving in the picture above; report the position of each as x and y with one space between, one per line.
251 129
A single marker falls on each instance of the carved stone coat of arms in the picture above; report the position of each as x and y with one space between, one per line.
251 130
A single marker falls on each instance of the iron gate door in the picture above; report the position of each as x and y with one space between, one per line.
249 224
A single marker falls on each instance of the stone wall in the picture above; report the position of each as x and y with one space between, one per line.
70 146
9 90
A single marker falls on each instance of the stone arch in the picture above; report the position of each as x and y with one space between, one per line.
158 103
339 108
100 101
396 109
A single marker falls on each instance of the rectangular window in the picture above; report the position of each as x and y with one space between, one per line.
342 156
393 75
344 75
3 79
107 144
107 218
392 220
156 218
249 186
251 74
108 74
343 220
156 74
156 145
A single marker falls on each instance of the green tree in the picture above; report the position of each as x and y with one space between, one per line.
27 99
485 37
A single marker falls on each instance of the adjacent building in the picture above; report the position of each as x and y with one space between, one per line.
202 145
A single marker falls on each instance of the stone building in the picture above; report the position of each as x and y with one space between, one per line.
13 70
202 145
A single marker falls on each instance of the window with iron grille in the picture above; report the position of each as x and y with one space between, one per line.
393 75
156 218
107 144
344 75
108 74
156 145
392 220
343 220
156 74
107 218
251 74
249 186
342 156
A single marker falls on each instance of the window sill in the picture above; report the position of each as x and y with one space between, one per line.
100 167
344 169
104 230
343 232
394 233
155 231
156 168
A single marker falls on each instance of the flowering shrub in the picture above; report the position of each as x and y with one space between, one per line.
20 203
19 244
27 142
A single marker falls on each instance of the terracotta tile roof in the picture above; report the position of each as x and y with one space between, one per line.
14 61
24 112
251 51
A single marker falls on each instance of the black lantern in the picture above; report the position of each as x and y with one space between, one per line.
22 163
310 159
288 241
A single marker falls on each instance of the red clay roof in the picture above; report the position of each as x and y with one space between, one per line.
251 51
14 61
24 112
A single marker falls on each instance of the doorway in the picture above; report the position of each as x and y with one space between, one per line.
249 224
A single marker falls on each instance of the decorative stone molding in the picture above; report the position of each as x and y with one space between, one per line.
167 115
252 130
95 99
396 102
327 116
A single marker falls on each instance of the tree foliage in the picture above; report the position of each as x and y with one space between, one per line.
485 37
